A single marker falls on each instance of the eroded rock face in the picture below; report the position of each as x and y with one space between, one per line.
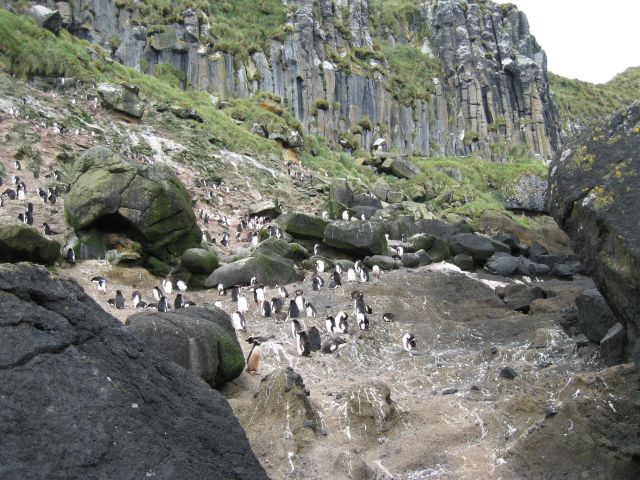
21 243
360 237
113 408
593 196
146 203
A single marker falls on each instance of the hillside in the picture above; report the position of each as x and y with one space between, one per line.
581 103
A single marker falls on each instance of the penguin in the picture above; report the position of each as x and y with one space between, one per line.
218 303
259 294
341 322
1 201
388 317
363 321
10 193
351 275
316 282
221 290
235 293
345 215
253 359
408 342
254 239
364 275
157 293
282 291
294 311
47 230
325 215
22 218
242 304
189 304
336 281
316 249
18 165
238 321
330 323
181 286
142 304
254 281
119 300
315 342
359 305
333 345
70 257
319 266
310 310
43 194
225 240
167 286
276 305
101 283
375 271
359 265
303 344
299 300
355 294
265 309
30 207
20 192
296 327
136 297
339 268
178 302
163 304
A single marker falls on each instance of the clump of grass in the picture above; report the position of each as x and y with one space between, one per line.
169 74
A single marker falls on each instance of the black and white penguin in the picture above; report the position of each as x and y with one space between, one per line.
320 266
265 309
303 344
375 271
408 342
282 291
339 268
242 304
235 293
157 293
294 311
330 323
388 317
316 249
296 327
259 294
363 321
315 342
238 320
345 215
280 317
46 229
22 218
20 192
119 300
364 274
358 266
221 290
336 281
136 298
300 300
181 286
310 310
359 305
253 281
253 359
254 239
333 345
70 256
316 282
351 275
189 304
342 326
276 305
325 215
167 286
178 302
101 284
17 164
163 304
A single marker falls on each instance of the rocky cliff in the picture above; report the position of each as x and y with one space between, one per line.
443 77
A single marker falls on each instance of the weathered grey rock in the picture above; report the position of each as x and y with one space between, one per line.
122 98
199 260
400 167
395 196
366 200
519 297
480 248
359 237
527 267
369 409
202 340
440 250
186 113
266 208
340 191
115 257
410 260
22 243
528 194
503 264
613 347
508 373
593 195
46 18
301 225
595 317
419 241
383 261
63 355
463 261
146 203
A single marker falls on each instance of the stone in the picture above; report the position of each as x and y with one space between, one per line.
46 18
369 409
148 204
364 237
419 241
341 192
199 260
395 197
452 173
75 383
537 250
266 208
199 339
269 269
381 189
565 271
186 113
302 225
400 167
410 260
478 247
595 318
512 242
593 195
519 296
116 257
528 194
121 98
22 243
508 373
613 347
502 264
383 261
581 340
449 391
463 261
527 267
440 250
366 200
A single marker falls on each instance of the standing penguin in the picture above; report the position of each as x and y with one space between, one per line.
136 297
319 266
253 359
242 304
178 302
238 321
339 268
157 293
310 310
181 286
299 300
363 321
364 274
119 300
315 341
276 305
167 286
296 328
316 282
101 283
163 304
294 311
70 257
408 342
265 309
375 270
359 305
221 290
351 275
336 281
235 293
330 323
303 344
282 291
341 322
259 294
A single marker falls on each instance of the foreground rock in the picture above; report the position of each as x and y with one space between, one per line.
113 409
199 339
356 237
301 225
122 98
21 243
593 196
110 194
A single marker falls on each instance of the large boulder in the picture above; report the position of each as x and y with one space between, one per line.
528 194
202 340
302 225
122 98
595 318
478 247
46 18
199 260
594 196
81 397
357 237
21 243
400 167
146 203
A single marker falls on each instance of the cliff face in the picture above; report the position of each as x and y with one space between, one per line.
485 90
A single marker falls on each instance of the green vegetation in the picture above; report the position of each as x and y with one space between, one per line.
169 74
391 16
584 102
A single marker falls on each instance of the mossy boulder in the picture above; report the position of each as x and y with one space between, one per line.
199 339
21 243
122 98
148 204
419 241
301 225
199 260
357 237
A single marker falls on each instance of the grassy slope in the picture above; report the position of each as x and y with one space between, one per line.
584 102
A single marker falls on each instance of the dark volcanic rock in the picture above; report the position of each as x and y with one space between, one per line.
21 243
360 237
301 225
502 264
509 373
478 247
463 261
613 347
593 195
519 297
81 398
595 317
199 339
